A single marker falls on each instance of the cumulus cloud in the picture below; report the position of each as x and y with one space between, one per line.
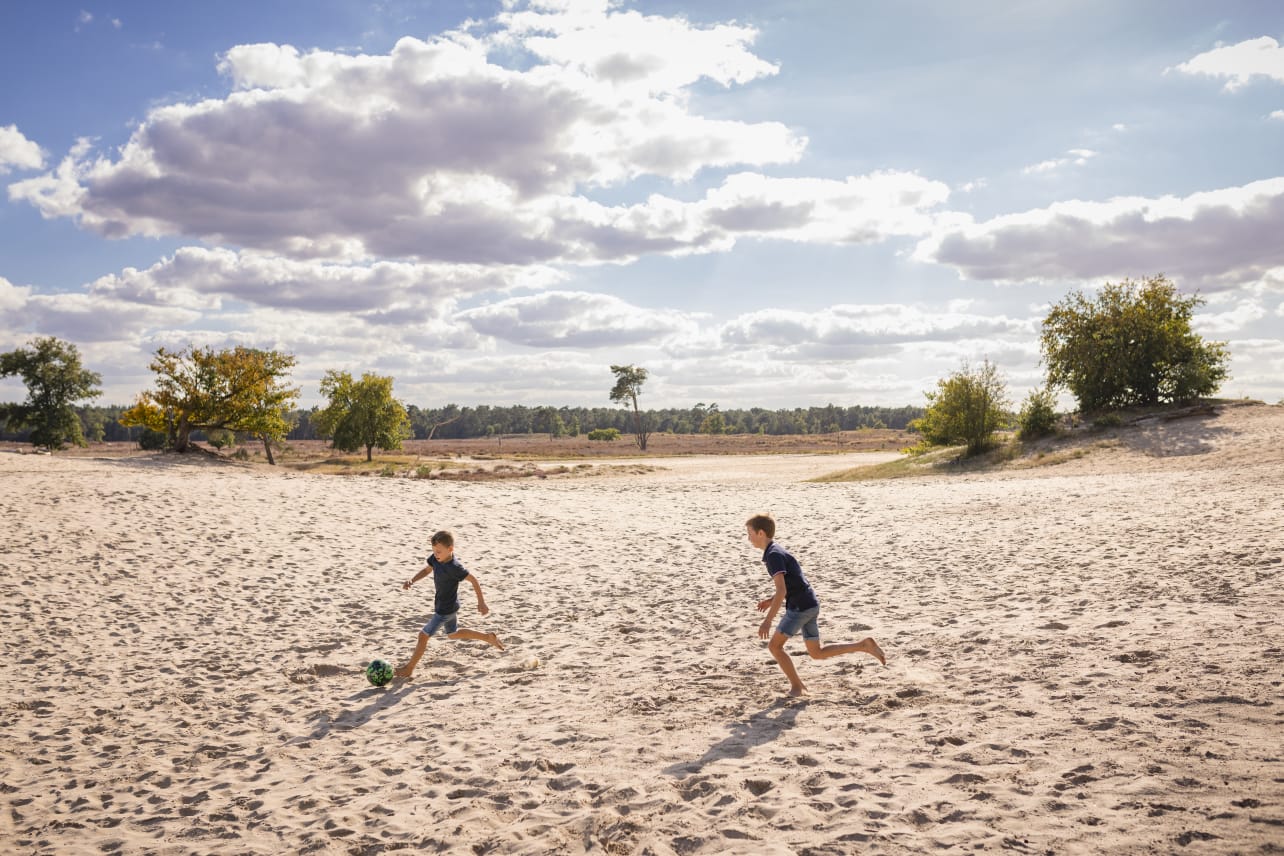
1212 239
202 279
576 319
434 151
850 330
1240 63
17 151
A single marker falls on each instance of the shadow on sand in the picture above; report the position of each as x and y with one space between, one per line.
379 700
759 728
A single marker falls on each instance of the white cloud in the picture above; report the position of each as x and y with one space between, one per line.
1211 239
1075 157
1241 63
1216 324
17 151
433 151
1277 114
200 278
576 319
850 331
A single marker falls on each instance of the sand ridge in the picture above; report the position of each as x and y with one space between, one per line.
1081 658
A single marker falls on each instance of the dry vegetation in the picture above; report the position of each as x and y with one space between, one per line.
1076 438
526 455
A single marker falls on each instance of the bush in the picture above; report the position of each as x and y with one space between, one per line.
610 435
967 407
1038 416
219 438
153 440
1107 420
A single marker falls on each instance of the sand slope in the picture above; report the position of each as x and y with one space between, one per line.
1082 658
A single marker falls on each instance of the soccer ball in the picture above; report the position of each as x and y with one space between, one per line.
379 672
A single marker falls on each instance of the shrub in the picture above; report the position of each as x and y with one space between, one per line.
1107 420
967 407
610 435
1038 416
152 440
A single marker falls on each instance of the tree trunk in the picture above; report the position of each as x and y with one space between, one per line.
182 436
369 452
267 449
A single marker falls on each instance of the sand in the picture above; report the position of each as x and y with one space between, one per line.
1082 658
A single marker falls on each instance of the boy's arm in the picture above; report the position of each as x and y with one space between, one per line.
481 601
427 569
772 606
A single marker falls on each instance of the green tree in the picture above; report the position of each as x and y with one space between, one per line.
55 380
628 386
548 421
361 413
236 389
967 407
1131 345
713 421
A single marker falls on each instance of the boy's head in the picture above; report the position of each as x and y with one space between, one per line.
443 545
761 528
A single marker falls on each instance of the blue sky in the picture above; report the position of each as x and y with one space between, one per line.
764 203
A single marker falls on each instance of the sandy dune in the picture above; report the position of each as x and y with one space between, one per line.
1082 658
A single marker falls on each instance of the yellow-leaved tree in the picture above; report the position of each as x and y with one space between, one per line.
235 389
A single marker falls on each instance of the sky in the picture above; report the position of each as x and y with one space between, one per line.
775 203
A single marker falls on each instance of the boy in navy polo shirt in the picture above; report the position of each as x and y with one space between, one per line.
447 574
801 607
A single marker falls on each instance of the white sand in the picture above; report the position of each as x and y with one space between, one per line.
1081 658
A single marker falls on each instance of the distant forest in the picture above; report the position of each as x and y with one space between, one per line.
453 422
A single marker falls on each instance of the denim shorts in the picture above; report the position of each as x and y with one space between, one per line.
804 619
449 623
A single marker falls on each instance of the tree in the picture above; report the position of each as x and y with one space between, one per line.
967 407
713 421
361 413
548 421
236 389
55 380
628 386
1132 345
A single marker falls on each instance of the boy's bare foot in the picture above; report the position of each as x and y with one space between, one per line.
875 651
494 640
797 692
403 672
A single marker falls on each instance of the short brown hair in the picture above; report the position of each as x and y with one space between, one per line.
762 523
443 538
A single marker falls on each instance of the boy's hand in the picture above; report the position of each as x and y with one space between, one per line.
406 584
764 605
483 608
764 629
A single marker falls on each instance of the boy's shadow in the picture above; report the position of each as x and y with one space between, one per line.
761 727
349 719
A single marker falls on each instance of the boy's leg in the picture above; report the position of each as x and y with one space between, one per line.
777 648
476 636
421 645
864 646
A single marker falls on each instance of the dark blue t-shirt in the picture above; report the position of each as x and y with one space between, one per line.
446 576
798 592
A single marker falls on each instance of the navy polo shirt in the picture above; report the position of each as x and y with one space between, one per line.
798 592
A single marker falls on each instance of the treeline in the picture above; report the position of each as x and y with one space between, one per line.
453 422
459 423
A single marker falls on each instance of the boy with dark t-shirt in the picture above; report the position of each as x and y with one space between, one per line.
447 574
801 607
